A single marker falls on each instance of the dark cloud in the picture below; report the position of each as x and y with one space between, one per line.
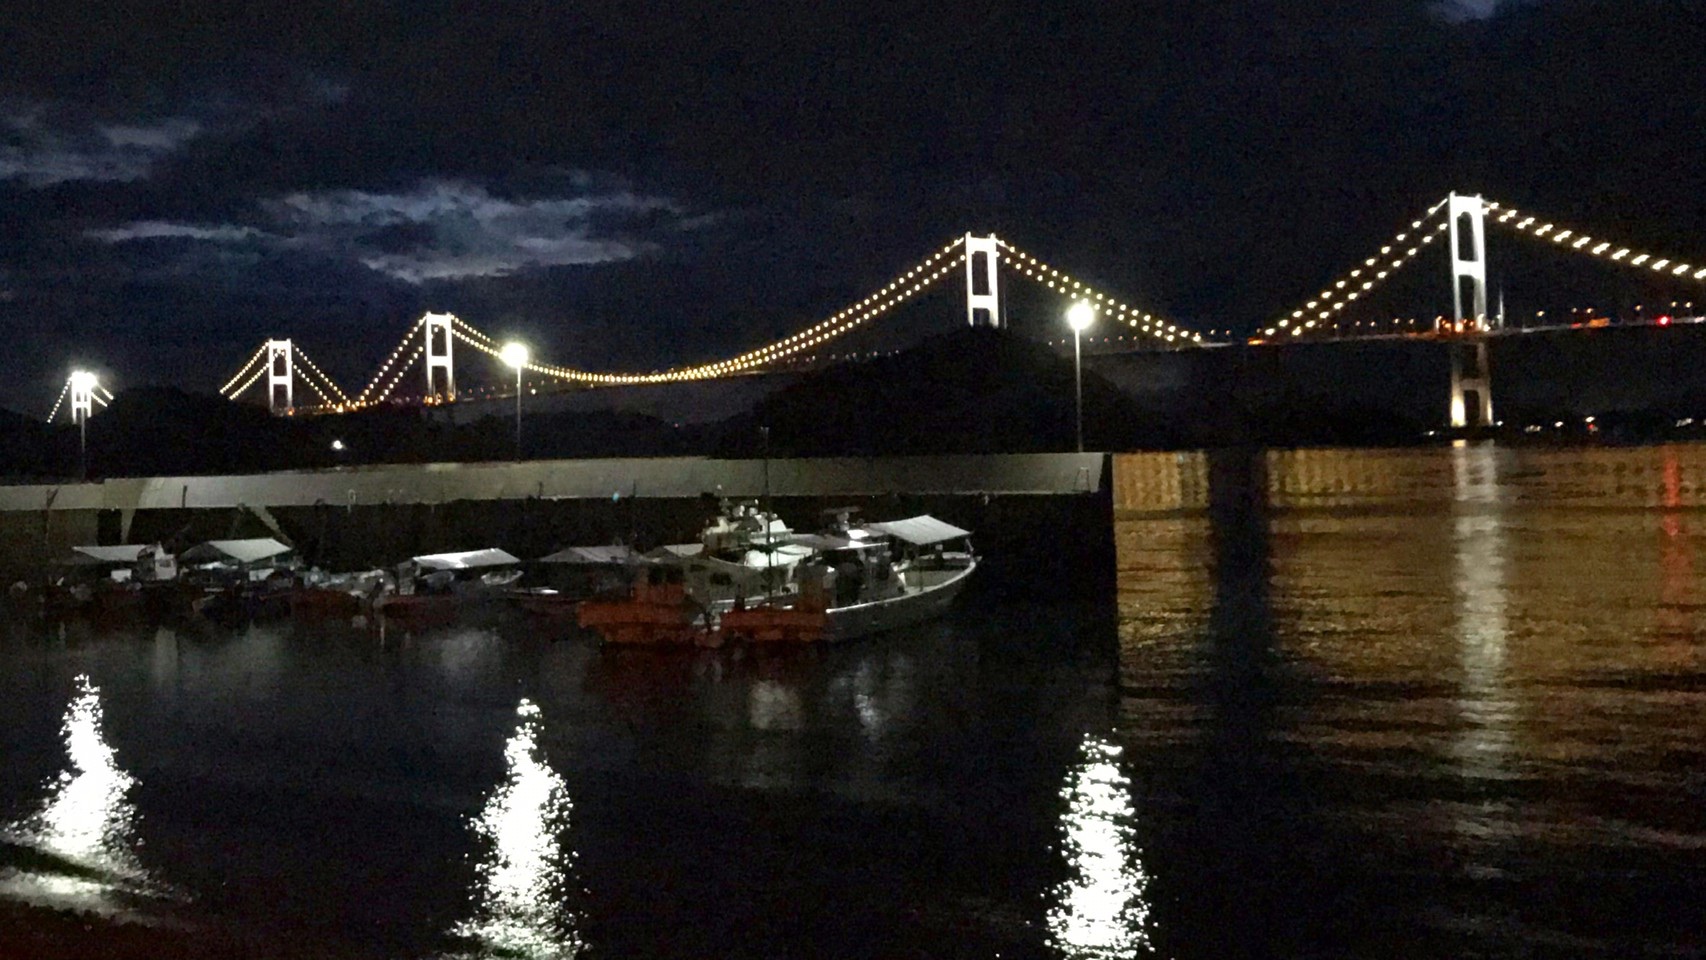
46 144
437 230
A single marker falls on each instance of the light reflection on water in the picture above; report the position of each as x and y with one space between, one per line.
85 828
521 906
1100 912
1489 711
1428 703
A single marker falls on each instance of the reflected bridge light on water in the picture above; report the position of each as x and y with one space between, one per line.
87 825
1101 911
521 901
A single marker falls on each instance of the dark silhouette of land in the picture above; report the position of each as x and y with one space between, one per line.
972 391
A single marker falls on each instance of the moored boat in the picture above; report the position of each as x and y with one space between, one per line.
750 578
438 589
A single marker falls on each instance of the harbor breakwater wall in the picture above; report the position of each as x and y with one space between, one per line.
1043 521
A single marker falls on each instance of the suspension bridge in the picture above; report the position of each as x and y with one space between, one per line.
429 348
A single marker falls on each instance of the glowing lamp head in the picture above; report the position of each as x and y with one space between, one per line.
82 380
514 354
1080 316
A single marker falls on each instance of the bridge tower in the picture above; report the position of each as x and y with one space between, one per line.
1471 377
281 377
438 353
82 396
983 282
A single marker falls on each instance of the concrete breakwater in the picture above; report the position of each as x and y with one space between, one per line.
1043 520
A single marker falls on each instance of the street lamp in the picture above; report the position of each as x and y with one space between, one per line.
1079 317
515 354
82 404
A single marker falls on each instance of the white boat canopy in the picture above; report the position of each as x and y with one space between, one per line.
677 551
783 556
241 551
125 553
920 531
466 559
616 553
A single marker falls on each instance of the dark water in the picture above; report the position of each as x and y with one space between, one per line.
1439 703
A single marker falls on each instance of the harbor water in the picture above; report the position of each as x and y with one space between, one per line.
1447 702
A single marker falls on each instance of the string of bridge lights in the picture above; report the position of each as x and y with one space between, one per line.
1034 269
259 373
308 371
314 368
398 378
402 345
1352 285
63 390
1583 243
95 391
904 287
226 390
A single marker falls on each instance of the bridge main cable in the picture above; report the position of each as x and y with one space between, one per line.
1352 286
1034 269
905 286
226 390
1602 249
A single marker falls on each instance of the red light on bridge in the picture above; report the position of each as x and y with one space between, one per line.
1663 321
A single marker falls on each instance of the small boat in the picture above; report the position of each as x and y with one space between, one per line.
751 578
241 580
338 596
437 589
558 582
115 583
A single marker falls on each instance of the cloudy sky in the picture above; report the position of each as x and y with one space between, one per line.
634 186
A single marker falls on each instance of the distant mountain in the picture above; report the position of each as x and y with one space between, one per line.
975 390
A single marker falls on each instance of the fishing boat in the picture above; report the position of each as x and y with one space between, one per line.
240 580
113 583
557 583
323 596
437 589
750 578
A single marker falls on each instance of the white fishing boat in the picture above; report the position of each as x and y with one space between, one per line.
751 578
436 589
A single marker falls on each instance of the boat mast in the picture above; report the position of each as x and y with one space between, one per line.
765 514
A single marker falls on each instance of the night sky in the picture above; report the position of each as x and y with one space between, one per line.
633 186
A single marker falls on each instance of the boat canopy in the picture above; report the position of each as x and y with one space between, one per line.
241 551
920 530
125 553
617 553
783 556
677 551
466 560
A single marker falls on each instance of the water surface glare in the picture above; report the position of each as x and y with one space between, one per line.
1429 703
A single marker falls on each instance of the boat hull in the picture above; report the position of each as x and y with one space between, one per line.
879 616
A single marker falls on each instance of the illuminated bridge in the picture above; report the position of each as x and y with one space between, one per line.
429 349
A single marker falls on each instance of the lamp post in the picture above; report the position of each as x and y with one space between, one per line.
82 394
1079 317
515 354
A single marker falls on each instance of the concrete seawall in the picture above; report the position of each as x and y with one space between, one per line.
1042 520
